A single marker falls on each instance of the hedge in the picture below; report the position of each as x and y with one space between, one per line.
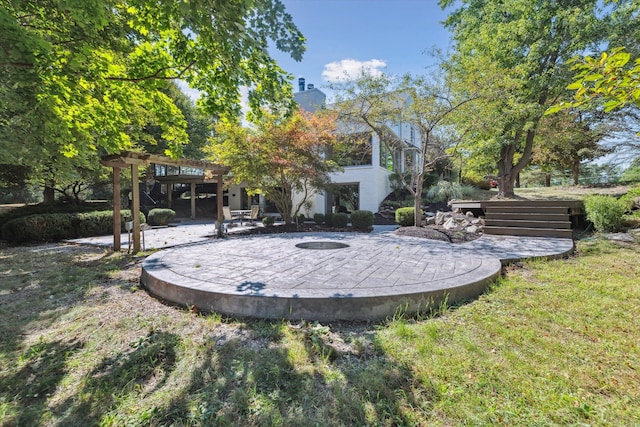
362 220
50 208
404 216
60 226
340 220
605 212
159 216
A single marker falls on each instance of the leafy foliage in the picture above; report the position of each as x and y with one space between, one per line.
444 191
605 212
278 156
362 220
48 209
83 78
160 216
58 226
611 80
567 139
520 47
405 218
340 220
268 221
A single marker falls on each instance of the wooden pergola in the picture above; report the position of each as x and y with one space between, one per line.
133 160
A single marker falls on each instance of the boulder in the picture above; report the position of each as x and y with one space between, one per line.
440 218
469 214
450 224
472 229
430 220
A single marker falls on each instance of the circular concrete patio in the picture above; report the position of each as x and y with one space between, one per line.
342 276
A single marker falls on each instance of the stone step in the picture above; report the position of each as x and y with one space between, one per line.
532 232
527 223
526 216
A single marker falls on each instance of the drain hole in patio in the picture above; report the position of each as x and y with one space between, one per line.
322 245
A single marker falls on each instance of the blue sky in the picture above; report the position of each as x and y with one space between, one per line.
394 36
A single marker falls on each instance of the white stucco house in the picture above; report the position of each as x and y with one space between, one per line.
364 181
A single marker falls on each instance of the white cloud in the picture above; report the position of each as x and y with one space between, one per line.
350 69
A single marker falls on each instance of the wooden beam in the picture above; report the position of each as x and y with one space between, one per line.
219 204
117 226
133 158
135 208
193 200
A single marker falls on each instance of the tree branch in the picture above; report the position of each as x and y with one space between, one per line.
154 76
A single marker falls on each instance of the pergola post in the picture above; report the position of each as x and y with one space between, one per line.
193 200
117 226
219 204
134 160
135 208
169 195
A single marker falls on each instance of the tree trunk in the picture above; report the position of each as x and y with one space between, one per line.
505 175
417 202
49 194
547 180
507 171
576 172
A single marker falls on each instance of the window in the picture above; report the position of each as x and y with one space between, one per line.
353 150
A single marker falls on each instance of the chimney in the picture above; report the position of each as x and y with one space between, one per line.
310 86
301 84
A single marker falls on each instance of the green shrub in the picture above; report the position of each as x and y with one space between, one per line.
328 219
444 191
630 197
404 216
340 220
605 212
160 216
318 218
50 208
362 220
268 221
301 218
477 182
60 226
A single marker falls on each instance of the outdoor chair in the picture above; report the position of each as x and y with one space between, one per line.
255 212
227 214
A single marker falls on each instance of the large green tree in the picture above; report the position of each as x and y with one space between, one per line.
524 44
568 139
279 156
80 78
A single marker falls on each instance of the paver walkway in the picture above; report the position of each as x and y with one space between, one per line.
378 274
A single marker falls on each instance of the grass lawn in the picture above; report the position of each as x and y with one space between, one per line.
554 343
557 192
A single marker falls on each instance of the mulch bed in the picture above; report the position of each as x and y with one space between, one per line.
429 232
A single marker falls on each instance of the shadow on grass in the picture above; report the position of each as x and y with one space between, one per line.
260 383
121 377
271 373
30 388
